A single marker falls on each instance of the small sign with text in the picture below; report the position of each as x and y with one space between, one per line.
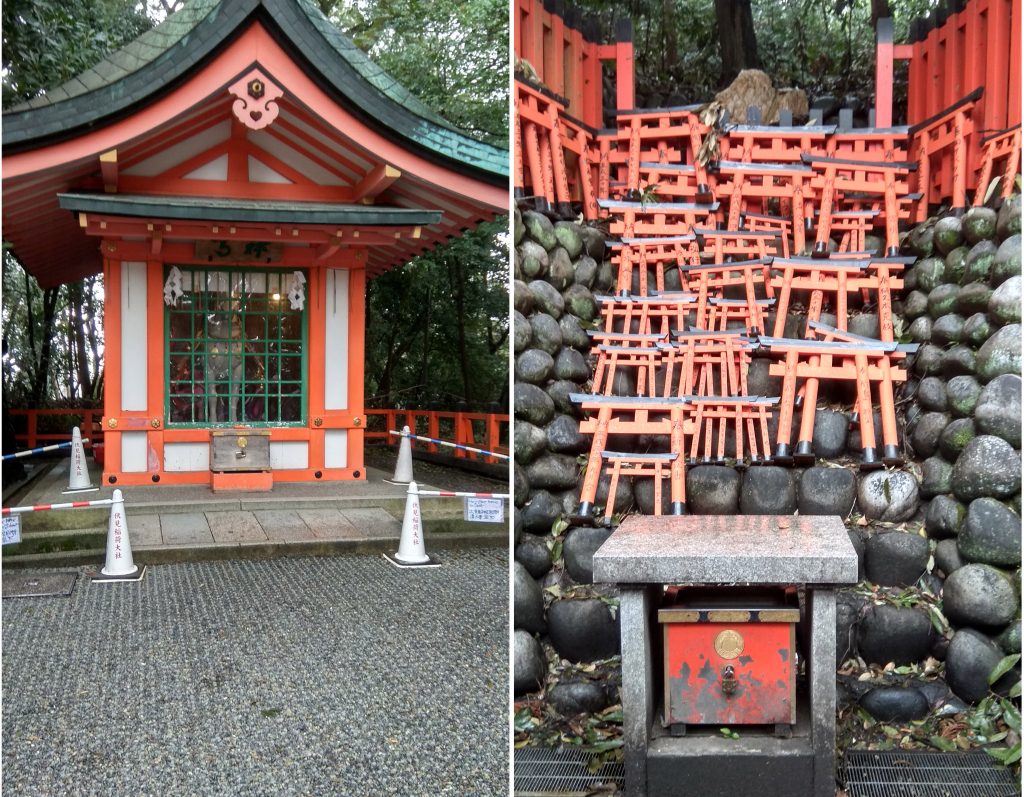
485 510
12 530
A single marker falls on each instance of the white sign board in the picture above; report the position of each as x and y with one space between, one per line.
12 529
485 510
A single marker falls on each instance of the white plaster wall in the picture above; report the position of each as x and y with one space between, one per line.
336 340
134 451
336 448
133 337
186 457
289 455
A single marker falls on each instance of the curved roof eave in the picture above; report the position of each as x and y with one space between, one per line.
166 55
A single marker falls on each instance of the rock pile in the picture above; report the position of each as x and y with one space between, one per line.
963 305
558 268
961 490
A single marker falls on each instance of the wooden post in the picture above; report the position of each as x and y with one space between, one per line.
624 95
883 73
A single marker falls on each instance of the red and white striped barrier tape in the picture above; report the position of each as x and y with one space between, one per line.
458 446
447 494
17 510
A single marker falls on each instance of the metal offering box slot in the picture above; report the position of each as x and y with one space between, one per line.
239 450
729 656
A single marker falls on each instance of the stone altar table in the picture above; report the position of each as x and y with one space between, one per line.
646 553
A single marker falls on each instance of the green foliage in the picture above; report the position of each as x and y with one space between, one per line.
46 43
53 340
821 46
452 55
437 328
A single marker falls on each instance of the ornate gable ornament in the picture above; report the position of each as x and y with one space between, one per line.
255 105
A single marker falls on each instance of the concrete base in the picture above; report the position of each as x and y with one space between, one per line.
705 764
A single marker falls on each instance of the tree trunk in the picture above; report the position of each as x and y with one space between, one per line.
737 42
456 282
41 376
670 58
77 331
95 335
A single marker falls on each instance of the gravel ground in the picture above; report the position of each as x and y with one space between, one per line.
314 676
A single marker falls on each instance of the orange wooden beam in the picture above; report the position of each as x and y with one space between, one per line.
108 168
376 181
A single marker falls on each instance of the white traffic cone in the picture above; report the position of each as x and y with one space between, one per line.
78 472
403 467
120 566
411 551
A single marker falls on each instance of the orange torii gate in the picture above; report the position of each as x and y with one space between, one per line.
657 218
839 277
657 253
1002 146
852 358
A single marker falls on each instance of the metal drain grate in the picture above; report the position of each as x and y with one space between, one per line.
911 773
544 772
34 585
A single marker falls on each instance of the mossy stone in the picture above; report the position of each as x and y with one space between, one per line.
930 274
977 329
915 305
973 298
979 262
947 234
540 229
1007 262
942 300
1008 218
569 236
957 360
979 224
956 264
921 239
955 437
962 394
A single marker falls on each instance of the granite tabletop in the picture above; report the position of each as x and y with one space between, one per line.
726 549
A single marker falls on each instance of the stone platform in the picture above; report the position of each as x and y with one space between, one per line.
173 523
644 554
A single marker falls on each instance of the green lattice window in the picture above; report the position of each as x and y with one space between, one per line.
235 346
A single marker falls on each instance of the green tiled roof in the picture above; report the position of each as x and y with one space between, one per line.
243 210
161 58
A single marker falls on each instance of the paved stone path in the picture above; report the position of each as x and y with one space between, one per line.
271 525
314 676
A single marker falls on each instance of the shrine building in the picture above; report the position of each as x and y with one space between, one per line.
237 174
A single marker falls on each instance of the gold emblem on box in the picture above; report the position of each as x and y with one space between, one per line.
729 644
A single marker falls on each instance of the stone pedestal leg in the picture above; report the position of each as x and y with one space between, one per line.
635 606
823 689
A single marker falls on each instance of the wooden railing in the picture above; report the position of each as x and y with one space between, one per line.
488 431
961 47
964 51
483 430
89 426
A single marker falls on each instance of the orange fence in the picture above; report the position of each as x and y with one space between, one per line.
956 51
478 429
561 53
89 426
964 89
